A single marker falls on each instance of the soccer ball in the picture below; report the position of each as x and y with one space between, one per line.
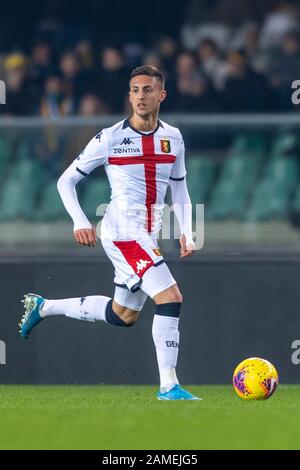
255 379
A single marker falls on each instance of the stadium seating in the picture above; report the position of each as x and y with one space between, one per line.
50 206
272 195
4 155
248 182
201 172
20 190
224 196
12 200
237 176
284 144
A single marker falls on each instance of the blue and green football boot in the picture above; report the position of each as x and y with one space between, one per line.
31 318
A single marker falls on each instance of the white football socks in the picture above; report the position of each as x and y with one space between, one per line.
91 308
164 330
166 339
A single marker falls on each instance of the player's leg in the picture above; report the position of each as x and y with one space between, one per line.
37 308
160 285
128 305
123 310
120 311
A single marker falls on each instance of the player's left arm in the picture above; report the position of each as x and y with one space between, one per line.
182 205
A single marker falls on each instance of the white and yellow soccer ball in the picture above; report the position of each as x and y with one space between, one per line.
255 379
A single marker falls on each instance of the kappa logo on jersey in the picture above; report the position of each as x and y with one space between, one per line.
98 136
165 145
141 265
126 141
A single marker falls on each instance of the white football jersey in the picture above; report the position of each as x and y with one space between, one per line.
138 166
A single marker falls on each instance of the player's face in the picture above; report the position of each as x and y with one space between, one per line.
145 95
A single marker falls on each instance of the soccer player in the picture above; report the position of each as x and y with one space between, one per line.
142 156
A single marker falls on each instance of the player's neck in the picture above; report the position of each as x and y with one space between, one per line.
144 124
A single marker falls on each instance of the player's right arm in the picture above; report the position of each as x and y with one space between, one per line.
95 154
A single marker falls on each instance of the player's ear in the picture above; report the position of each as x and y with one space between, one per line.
163 96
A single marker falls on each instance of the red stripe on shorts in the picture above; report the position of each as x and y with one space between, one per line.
135 255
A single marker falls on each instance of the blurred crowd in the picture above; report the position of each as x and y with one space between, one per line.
209 67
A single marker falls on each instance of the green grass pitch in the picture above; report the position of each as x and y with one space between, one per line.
130 417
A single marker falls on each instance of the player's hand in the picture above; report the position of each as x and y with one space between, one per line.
86 236
186 249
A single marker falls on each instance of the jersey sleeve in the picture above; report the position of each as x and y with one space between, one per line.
178 171
94 154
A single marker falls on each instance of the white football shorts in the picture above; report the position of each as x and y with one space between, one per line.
139 266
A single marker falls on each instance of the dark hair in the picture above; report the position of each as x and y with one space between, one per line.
149 70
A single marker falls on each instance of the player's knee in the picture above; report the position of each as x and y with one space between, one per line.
129 317
172 294
120 316
176 297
